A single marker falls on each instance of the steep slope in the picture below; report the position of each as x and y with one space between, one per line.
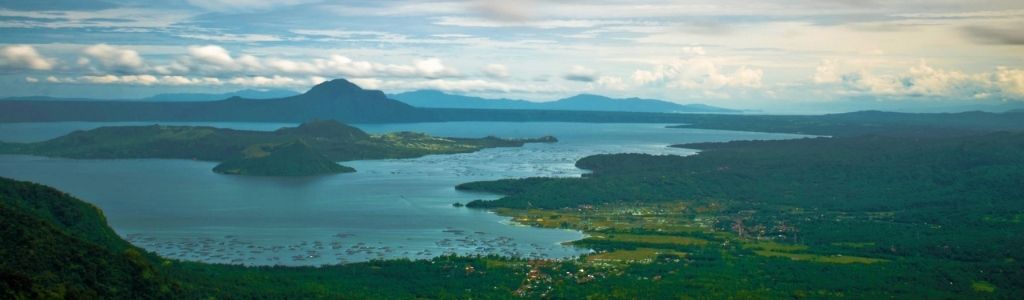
57 247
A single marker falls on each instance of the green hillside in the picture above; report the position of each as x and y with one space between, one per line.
289 159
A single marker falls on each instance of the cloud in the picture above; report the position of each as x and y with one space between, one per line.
113 58
455 85
496 71
826 72
24 57
924 80
228 37
433 68
698 71
216 59
120 19
507 11
1009 81
541 24
581 73
245 5
50 5
175 80
31 79
612 83
996 35
213 54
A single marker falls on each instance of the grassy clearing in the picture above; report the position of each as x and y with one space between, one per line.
640 255
983 286
774 247
652 239
853 245
834 259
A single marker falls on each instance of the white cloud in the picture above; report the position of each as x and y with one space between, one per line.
31 79
457 85
923 79
698 71
826 72
541 24
434 68
124 18
515 11
478 86
1010 81
24 57
114 58
229 37
581 73
244 5
612 83
496 71
216 59
174 80
212 54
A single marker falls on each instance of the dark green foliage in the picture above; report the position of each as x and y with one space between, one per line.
73 217
290 159
325 130
54 246
869 173
944 211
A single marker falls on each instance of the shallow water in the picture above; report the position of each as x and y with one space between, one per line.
388 209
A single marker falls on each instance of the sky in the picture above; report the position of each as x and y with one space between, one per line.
772 55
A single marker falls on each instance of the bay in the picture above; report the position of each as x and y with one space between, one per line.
399 208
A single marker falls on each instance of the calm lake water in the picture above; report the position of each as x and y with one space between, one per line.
388 209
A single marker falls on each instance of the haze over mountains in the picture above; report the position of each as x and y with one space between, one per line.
582 102
178 97
346 102
336 99
247 94
340 100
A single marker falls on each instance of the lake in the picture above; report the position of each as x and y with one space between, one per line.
399 208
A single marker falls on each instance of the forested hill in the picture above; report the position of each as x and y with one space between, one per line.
57 247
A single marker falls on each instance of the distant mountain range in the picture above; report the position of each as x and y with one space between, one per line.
180 97
581 102
344 101
247 94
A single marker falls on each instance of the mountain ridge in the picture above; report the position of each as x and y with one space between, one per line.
331 100
580 102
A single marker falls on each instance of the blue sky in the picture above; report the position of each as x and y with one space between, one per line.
773 55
